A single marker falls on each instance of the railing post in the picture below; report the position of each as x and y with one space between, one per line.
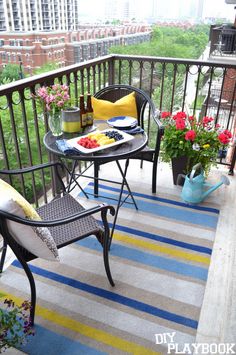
111 72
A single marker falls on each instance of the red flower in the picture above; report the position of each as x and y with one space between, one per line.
179 115
207 120
180 123
228 133
223 138
191 118
165 114
190 135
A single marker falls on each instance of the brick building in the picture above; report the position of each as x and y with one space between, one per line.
36 48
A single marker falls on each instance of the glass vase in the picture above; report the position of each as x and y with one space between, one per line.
54 123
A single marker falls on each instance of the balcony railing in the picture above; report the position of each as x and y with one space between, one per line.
200 88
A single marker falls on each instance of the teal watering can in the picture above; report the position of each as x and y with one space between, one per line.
194 189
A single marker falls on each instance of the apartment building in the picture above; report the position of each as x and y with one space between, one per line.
38 15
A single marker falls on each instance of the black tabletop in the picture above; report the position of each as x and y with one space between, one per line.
122 151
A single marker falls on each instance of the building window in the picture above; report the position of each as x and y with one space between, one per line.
20 43
1 42
27 56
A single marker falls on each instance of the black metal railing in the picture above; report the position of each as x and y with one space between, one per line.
197 87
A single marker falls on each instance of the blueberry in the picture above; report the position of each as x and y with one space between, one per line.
114 134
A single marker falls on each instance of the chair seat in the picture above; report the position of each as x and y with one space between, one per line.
146 154
66 233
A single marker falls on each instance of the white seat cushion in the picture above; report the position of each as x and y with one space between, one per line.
37 240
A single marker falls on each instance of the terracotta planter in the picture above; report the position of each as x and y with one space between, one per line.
179 166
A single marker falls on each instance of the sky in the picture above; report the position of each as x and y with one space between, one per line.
212 8
219 9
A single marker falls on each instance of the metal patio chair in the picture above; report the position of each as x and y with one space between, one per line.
148 119
67 221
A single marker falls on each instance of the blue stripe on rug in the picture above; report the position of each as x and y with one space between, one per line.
114 297
161 199
59 344
148 259
183 215
162 239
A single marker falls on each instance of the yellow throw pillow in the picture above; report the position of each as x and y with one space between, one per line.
126 106
19 199
37 240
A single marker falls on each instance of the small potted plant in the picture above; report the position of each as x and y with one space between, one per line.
188 141
15 324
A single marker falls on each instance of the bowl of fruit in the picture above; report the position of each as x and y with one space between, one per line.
99 140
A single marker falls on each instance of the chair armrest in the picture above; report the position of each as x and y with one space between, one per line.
31 168
38 167
156 116
57 222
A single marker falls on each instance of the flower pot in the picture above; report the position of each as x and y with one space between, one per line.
179 166
54 123
71 120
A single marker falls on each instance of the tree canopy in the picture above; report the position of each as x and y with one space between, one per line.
9 73
171 42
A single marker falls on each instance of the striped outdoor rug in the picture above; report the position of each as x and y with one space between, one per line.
159 261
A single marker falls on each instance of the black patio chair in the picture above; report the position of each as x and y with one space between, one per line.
67 221
148 119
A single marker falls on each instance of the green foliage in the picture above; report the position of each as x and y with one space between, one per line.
115 22
167 97
170 42
10 72
21 143
45 68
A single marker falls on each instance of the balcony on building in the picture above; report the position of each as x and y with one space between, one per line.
218 87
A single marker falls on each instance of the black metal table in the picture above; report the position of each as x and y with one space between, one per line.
123 151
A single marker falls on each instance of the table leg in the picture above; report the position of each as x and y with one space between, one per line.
72 178
96 183
126 182
119 204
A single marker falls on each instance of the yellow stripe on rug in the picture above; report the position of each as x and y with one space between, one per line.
83 329
161 249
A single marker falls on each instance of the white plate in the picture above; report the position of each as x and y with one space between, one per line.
122 122
73 142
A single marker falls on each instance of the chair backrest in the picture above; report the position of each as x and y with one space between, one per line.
115 92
